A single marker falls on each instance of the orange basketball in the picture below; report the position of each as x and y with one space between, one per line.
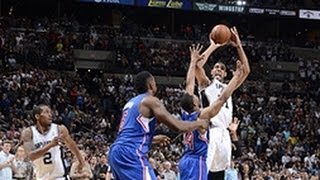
220 34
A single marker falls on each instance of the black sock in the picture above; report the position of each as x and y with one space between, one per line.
216 175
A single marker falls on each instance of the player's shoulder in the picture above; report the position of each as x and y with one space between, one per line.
148 99
61 127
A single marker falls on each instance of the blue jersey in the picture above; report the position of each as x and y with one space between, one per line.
196 144
135 131
128 154
193 165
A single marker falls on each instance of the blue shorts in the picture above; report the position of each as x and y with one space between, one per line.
128 163
193 168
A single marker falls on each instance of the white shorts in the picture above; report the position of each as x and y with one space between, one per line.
219 150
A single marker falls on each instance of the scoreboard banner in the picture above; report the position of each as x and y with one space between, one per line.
271 11
174 4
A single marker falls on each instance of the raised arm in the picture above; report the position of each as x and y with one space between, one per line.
152 106
71 145
195 57
236 42
206 54
202 78
212 110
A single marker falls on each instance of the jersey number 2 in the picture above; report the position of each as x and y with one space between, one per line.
47 158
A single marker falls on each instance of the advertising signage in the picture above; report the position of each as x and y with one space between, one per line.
233 9
269 11
175 4
125 2
309 14
218 8
205 6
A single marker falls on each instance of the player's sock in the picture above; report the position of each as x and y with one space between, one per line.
216 175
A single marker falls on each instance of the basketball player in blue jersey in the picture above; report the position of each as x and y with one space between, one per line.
219 149
193 165
128 154
42 143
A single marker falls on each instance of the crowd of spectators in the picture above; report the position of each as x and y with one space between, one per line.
280 131
49 44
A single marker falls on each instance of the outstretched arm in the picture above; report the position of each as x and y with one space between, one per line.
152 106
212 110
195 57
236 42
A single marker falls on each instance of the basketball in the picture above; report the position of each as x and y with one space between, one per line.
220 34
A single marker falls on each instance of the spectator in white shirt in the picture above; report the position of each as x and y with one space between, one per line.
285 159
7 166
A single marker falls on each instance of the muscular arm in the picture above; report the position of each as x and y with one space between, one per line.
190 81
242 55
194 58
202 78
31 152
245 62
70 143
152 106
206 54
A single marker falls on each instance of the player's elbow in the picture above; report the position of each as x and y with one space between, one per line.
247 71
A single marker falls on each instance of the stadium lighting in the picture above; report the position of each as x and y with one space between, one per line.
241 3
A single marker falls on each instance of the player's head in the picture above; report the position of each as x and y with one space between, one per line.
145 82
6 146
42 115
219 71
189 102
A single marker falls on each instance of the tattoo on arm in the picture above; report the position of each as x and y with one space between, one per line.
26 138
